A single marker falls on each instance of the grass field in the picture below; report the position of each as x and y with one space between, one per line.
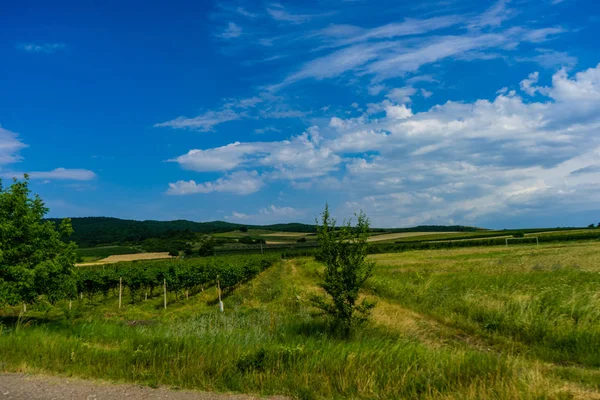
502 323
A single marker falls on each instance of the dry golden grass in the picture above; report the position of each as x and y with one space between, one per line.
127 257
286 234
392 236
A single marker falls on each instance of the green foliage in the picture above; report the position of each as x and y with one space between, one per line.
344 251
174 253
190 274
301 240
519 235
246 240
34 260
243 228
207 247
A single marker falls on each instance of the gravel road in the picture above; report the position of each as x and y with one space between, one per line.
26 387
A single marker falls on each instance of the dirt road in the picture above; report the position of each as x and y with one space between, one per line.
24 387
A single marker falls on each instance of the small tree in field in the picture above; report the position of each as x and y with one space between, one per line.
34 260
344 252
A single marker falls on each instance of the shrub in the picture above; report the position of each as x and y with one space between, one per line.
344 252
174 253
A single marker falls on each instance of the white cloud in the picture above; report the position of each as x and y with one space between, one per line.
240 183
279 211
204 122
279 13
343 35
246 13
55 174
10 145
232 31
456 161
64 174
238 216
527 85
402 95
426 93
45 48
218 159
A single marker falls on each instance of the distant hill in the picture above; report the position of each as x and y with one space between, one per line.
93 231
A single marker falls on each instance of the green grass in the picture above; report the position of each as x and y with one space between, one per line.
474 323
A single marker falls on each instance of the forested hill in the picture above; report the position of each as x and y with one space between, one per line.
92 231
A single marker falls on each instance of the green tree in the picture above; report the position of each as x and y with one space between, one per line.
344 252
207 247
243 228
34 259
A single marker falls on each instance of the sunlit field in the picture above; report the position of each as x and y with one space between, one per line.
517 322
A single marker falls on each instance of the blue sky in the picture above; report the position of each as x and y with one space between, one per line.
435 112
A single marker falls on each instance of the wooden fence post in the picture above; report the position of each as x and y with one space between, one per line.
165 290
219 290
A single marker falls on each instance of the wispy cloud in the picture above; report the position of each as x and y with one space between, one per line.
10 145
280 13
45 48
204 122
246 13
55 174
232 31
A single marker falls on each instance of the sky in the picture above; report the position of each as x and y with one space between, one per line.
481 113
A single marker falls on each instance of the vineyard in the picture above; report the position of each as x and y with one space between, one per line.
142 279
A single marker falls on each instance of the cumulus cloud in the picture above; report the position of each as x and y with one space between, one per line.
457 161
240 183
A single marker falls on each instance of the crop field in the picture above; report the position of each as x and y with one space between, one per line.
402 235
127 257
98 253
521 322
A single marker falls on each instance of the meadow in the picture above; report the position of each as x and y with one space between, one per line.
517 322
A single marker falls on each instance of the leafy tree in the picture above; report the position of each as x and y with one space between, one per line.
243 228
598 226
34 259
519 235
246 240
592 226
301 240
174 253
207 248
344 252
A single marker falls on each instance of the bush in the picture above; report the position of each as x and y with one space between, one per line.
246 240
519 235
301 240
344 253
243 229
174 253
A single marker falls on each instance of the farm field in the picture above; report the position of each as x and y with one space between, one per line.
98 253
402 235
521 322
127 257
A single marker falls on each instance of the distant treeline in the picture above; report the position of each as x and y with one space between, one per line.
94 231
